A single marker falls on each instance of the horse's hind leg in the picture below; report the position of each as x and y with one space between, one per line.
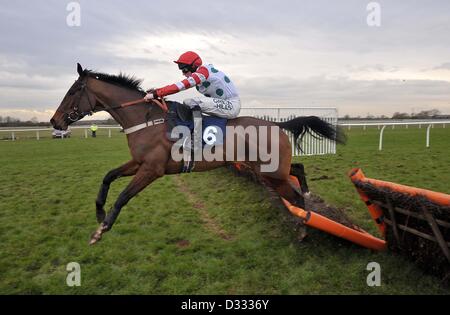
285 190
127 169
298 170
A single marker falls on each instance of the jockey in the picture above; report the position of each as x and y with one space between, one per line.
221 97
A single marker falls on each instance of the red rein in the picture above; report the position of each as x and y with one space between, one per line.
162 104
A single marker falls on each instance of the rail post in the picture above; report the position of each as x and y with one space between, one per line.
380 146
428 135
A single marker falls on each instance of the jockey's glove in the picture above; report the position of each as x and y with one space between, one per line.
149 97
151 94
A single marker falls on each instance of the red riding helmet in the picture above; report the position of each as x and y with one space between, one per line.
190 58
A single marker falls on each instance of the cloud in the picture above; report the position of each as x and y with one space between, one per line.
43 115
444 66
355 97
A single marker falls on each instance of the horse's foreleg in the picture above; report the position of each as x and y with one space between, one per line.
127 169
143 178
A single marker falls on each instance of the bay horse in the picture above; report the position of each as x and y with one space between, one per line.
151 150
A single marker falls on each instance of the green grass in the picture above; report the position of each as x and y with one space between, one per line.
171 241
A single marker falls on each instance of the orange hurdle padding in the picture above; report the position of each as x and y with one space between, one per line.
442 199
375 211
294 181
238 166
322 223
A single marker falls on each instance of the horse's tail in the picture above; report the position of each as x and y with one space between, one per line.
301 125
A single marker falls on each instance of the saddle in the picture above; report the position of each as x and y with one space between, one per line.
181 115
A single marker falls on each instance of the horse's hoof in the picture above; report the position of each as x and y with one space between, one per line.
97 235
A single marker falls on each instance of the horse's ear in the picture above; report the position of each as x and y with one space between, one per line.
80 69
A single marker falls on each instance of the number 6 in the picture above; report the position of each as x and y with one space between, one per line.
209 135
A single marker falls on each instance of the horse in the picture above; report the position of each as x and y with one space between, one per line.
150 149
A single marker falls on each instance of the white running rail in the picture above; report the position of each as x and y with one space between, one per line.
382 126
311 145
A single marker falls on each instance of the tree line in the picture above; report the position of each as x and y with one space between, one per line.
425 114
8 121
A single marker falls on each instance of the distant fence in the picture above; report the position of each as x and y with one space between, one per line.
39 133
382 125
311 144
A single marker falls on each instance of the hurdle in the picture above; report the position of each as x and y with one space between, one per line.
415 221
320 222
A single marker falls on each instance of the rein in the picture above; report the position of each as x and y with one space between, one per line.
162 104
75 115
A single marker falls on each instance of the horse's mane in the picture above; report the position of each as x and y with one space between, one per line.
121 79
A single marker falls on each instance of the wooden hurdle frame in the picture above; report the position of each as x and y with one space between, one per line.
415 218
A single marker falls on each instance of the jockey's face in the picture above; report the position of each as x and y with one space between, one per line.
187 74
185 69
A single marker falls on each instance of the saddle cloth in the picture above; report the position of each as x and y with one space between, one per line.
181 115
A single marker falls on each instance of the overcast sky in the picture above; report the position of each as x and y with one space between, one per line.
278 53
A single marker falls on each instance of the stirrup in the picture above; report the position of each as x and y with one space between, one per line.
197 132
188 156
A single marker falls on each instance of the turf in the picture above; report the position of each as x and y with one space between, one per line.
200 233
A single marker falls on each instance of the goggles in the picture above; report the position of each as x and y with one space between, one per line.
184 68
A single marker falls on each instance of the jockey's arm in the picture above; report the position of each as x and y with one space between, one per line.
198 77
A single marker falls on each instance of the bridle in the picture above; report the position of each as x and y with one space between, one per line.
75 114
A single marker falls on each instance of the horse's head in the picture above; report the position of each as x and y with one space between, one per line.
78 102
